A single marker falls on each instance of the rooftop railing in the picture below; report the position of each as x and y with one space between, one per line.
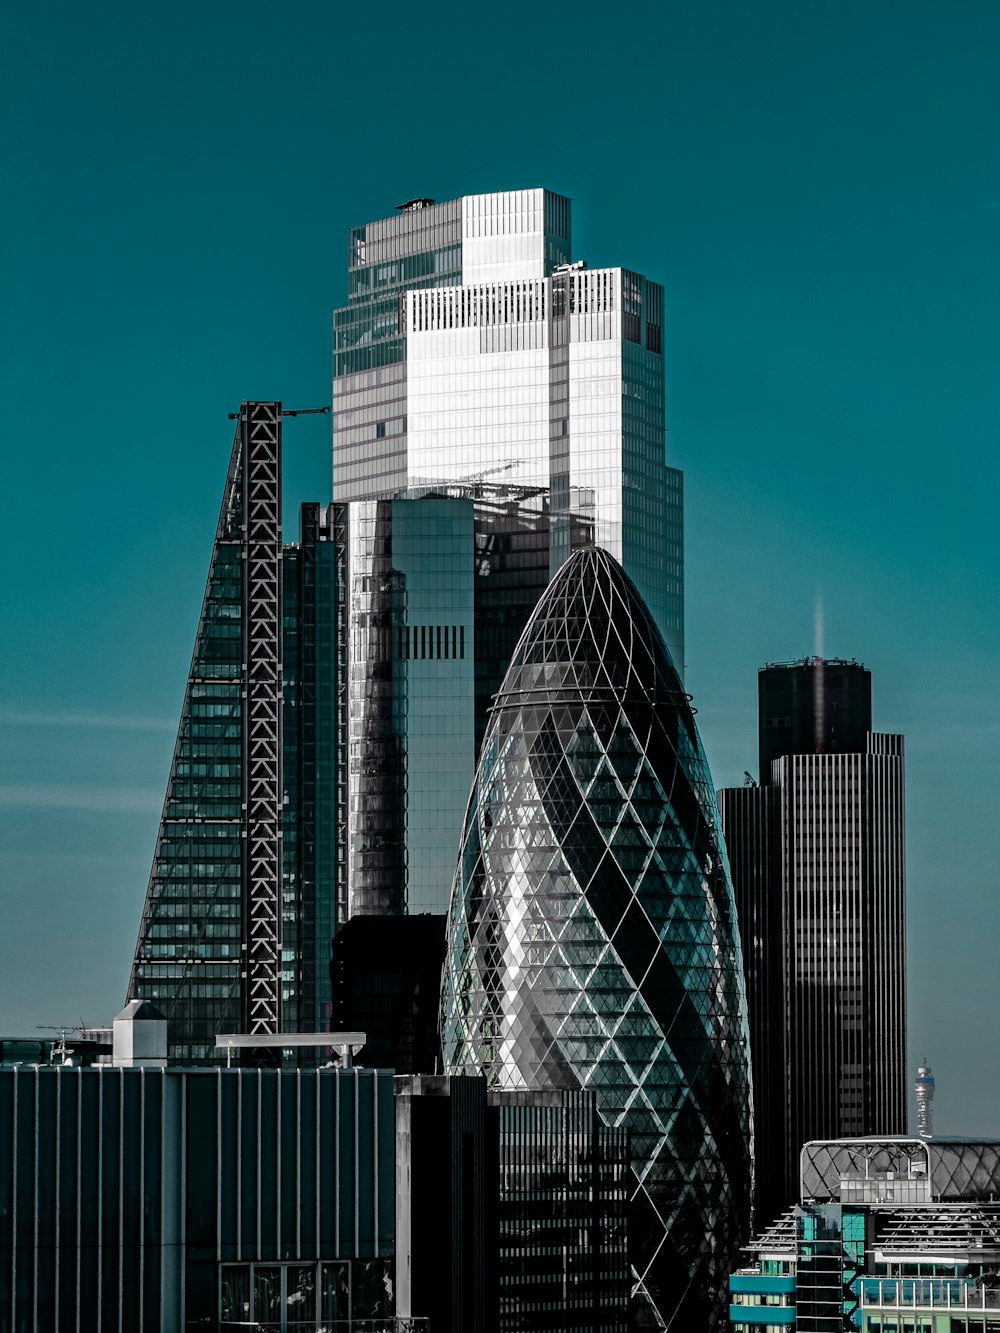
927 1293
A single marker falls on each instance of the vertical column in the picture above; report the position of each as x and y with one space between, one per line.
260 428
341 528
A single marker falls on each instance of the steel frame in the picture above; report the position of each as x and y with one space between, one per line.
260 432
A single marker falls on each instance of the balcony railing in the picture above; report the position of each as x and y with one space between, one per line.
391 1324
928 1294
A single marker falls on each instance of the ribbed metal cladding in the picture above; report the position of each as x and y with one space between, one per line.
818 860
843 839
84 1183
123 1190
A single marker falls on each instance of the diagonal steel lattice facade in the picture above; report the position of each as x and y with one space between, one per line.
260 431
592 939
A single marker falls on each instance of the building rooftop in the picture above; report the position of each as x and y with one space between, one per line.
900 1169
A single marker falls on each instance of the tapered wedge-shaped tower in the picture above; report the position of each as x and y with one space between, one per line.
240 908
592 936
208 951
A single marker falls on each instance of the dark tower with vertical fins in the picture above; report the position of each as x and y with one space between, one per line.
818 861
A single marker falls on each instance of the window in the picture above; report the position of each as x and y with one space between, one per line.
295 1296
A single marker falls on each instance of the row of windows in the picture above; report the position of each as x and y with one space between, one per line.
187 951
171 910
739 1327
225 727
204 770
431 641
203 878
433 227
224 746
758 1298
179 930
197 990
253 1294
181 833
477 306
443 264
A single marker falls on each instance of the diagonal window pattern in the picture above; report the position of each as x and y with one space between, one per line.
592 939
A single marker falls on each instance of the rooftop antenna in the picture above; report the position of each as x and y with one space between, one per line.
60 1052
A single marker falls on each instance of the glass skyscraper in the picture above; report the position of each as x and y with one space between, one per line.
818 860
240 907
475 361
592 939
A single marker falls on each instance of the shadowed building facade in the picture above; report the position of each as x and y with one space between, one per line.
160 1200
592 939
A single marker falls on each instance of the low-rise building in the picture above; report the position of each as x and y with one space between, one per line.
891 1235
142 1197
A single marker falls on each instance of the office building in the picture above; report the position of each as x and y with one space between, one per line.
438 588
812 707
165 1199
140 1196
475 361
240 908
817 856
510 1210
890 1235
385 981
592 939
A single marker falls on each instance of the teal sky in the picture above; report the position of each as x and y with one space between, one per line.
817 186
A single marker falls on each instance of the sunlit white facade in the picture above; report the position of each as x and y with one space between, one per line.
476 359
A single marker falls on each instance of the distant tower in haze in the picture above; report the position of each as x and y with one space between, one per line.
817 858
924 1088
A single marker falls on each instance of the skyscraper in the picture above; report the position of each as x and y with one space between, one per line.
817 854
239 911
475 360
440 586
592 938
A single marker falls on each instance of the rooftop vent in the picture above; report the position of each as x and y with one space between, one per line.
415 205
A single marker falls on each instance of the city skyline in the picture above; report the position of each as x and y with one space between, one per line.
830 292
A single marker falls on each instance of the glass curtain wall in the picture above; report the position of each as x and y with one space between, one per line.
187 957
592 938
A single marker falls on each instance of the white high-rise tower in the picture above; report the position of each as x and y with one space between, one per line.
495 406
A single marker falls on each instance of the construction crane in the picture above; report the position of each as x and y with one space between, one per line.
296 412
475 484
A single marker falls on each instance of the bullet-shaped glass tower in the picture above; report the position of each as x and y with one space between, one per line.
592 936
